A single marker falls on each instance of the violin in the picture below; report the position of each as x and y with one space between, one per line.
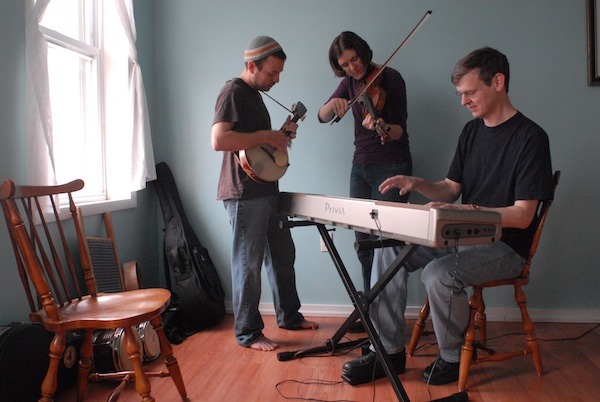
376 72
373 101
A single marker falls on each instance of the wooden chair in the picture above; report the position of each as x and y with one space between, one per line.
64 296
476 327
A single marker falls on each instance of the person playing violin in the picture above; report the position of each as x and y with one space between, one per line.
381 141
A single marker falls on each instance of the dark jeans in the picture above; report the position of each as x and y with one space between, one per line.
364 183
258 238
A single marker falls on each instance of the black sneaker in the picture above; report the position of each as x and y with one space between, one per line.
367 368
441 372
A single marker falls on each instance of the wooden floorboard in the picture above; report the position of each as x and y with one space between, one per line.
215 368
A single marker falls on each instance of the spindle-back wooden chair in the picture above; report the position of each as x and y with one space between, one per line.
54 265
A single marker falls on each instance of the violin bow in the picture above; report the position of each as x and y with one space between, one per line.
364 89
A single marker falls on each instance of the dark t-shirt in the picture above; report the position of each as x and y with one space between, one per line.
498 165
368 148
243 106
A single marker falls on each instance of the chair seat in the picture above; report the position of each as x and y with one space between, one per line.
109 310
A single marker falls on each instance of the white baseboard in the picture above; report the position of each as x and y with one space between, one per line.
412 312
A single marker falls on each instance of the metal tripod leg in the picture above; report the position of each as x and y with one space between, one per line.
361 302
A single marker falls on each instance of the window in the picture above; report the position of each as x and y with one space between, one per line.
98 131
74 73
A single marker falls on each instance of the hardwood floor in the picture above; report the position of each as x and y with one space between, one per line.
215 368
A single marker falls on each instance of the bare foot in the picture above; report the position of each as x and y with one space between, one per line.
265 344
308 325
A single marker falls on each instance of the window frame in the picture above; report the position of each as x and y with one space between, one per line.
103 201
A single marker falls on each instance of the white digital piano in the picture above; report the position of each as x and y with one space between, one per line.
408 224
412 223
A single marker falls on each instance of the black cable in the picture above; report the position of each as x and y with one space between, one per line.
550 339
301 397
573 338
375 218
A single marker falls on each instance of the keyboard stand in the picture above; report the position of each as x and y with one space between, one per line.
361 302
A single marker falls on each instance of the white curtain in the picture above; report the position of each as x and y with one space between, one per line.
142 158
39 116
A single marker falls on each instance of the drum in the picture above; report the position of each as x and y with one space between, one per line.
110 355
150 341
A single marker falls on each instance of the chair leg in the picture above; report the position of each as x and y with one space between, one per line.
50 382
418 328
467 349
142 385
528 328
481 321
170 361
84 365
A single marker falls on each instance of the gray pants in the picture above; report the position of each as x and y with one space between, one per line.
445 276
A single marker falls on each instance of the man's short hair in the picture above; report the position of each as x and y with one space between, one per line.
489 62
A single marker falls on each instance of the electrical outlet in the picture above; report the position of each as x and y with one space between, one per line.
323 245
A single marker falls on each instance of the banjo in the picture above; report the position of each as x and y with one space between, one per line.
264 163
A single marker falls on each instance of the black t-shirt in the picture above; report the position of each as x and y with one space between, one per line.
243 106
498 165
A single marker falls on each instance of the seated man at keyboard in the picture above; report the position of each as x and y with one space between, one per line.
502 163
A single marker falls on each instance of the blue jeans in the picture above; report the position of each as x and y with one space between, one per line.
258 238
445 277
364 183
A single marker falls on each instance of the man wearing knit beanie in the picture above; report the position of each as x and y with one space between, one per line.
260 48
242 122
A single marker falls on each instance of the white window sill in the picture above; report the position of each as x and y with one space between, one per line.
96 208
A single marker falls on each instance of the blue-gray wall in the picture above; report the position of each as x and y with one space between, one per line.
135 229
189 48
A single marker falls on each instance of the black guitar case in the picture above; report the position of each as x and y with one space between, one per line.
197 295
24 359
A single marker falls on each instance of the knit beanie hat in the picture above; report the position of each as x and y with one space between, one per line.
260 47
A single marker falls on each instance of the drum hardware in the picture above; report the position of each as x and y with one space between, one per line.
111 360
109 354
150 342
